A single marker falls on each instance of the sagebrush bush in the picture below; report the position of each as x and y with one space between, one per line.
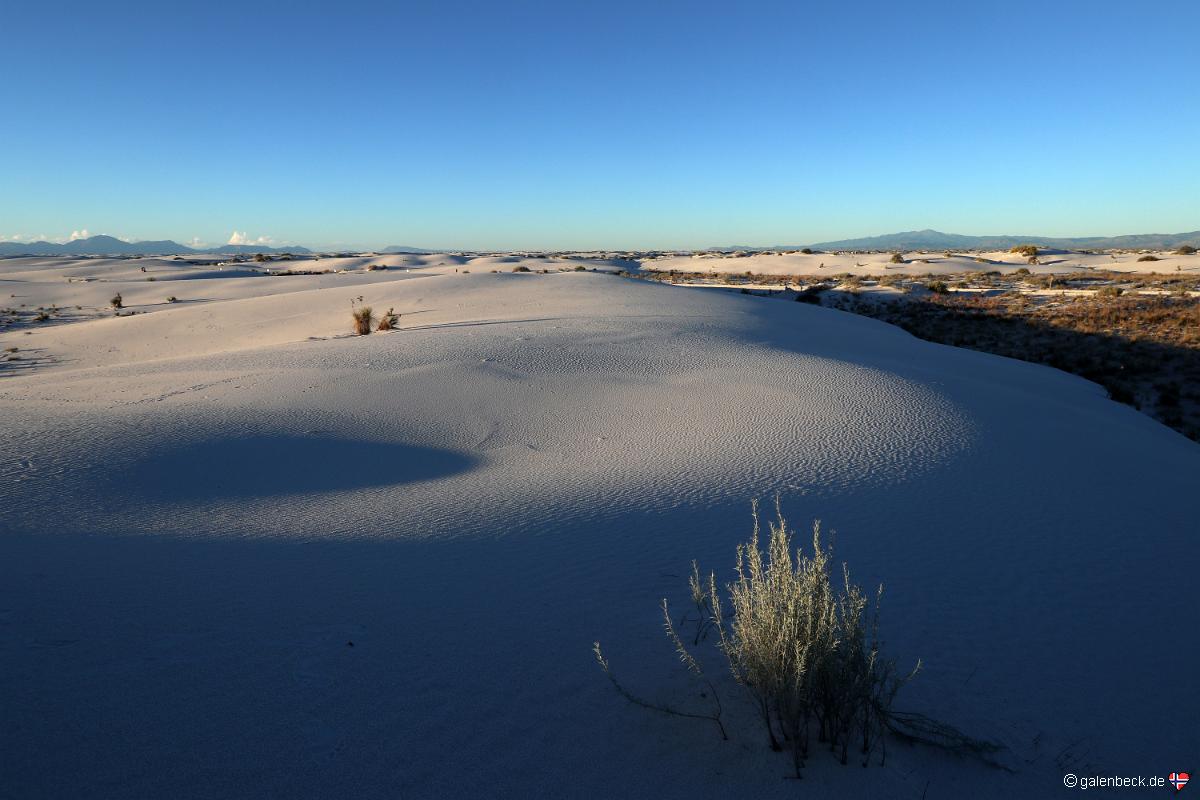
117 301
797 643
1149 258
521 269
363 317
897 258
1185 250
1028 250
937 287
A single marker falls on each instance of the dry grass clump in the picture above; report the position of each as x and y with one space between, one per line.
1027 250
1149 258
799 645
937 287
521 268
389 321
1185 250
896 258
117 301
363 318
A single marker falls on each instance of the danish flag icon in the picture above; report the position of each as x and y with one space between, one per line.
1179 780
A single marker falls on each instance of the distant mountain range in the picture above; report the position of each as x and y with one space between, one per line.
936 240
405 248
111 246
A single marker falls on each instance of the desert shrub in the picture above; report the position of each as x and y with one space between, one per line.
1028 250
1032 260
982 260
1185 250
376 267
42 316
1021 271
152 278
363 319
1110 291
389 321
580 268
117 301
896 258
798 643
521 269
172 299
1149 258
937 287
806 251
261 257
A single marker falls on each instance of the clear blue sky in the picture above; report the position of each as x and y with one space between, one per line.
597 124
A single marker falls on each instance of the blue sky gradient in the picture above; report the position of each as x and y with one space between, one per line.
647 124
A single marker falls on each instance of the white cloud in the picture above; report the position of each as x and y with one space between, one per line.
196 243
243 238
83 234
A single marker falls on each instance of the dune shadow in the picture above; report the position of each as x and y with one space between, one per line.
278 465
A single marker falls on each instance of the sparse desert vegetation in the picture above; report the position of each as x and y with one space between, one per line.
389 320
806 650
363 318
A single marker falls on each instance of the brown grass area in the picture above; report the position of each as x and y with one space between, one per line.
1145 350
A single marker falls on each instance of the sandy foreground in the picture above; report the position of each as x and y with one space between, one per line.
245 554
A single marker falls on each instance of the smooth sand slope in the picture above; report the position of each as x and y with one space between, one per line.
246 555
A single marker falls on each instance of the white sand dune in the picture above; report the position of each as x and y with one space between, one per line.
245 554
924 263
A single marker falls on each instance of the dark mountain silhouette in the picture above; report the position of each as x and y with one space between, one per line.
111 246
404 248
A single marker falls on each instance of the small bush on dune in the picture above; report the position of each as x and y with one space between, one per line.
389 321
172 299
363 317
1185 250
521 269
580 268
937 287
1028 250
117 301
1149 258
897 258
1110 291
798 643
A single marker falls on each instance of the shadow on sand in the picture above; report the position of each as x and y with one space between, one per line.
277 465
